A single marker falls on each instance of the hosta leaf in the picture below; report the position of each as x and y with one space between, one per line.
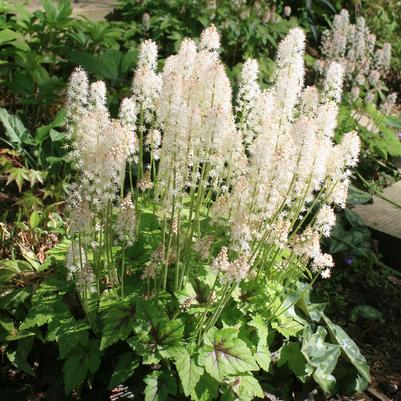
126 365
80 364
224 354
321 355
189 372
15 129
159 385
349 348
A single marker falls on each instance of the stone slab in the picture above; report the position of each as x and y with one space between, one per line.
382 215
91 9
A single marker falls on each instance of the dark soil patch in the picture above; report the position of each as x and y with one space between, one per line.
379 335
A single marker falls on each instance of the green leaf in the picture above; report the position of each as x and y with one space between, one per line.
159 385
68 333
349 348
7 35
47 305
80 364
322 356
19 357
48 130
15 129
357 196
263 357
11 268
188 372
247 388
366 312
34 219
224 354
126 365
118 320
291 354
206 389
19 175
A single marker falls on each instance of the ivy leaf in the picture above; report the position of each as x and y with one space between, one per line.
126 365
320 355
80 364
224 354
349 348
118 319
189 372
159 385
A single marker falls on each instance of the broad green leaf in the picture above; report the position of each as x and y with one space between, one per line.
206 389
357 196
224 354
366 312
263 357
159 385
261 328
68 333
15 129
291 354
47 304
247 387
311 309
119 321
19 357
80 364
188 372
349 348
125 368
7 35
34 219
11 268
322 356
48 130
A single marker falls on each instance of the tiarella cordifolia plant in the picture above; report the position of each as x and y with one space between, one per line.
365 64
228 199
261 172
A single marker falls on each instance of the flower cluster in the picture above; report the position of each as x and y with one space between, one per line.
354 46
258 172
